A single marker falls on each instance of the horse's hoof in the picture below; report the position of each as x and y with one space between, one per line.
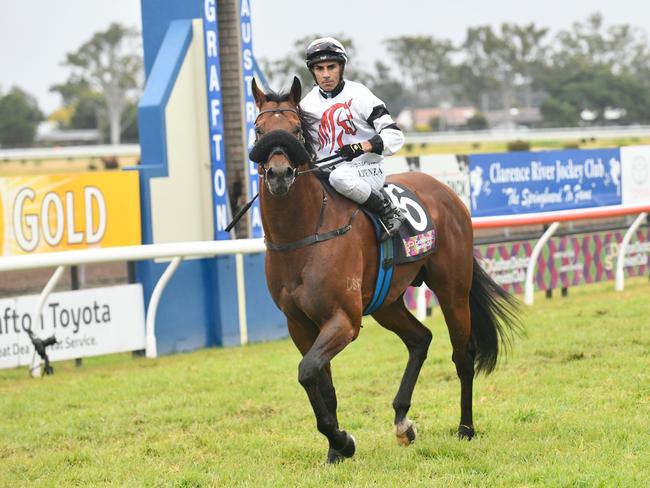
406 432
466 431
337 455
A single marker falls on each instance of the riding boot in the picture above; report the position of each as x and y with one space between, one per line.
390 216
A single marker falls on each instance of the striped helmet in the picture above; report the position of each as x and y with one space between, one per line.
325 49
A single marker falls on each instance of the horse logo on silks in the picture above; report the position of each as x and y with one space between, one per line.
336 121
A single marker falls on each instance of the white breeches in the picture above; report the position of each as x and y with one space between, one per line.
356 181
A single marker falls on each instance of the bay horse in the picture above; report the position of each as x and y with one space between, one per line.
322 276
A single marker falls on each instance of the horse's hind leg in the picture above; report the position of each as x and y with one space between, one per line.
453 295
417 338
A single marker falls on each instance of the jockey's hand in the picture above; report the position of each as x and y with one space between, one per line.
351 151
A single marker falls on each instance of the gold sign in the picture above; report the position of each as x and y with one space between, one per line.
69 211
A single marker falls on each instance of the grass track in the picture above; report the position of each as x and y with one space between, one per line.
570 407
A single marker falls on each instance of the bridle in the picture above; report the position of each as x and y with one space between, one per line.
318 165
278 111
300 136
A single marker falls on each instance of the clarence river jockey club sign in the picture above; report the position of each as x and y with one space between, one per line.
529 182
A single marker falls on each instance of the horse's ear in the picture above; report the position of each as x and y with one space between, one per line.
259 95
295 94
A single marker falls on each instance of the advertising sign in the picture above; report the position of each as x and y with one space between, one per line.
68 211
635 161
528 182
215 116
84 322
566 261
250 113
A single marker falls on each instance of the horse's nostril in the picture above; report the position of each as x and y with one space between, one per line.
289 171
270 173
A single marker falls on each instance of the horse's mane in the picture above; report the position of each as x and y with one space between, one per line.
307 121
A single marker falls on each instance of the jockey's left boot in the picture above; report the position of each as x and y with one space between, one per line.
390 216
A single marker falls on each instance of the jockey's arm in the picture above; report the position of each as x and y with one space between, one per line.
389 138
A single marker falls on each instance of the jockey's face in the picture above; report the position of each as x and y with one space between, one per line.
327 75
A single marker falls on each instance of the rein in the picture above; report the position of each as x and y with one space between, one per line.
318 165
314 238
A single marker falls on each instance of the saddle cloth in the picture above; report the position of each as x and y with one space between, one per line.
416 238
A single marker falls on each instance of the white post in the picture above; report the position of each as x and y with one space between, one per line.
150 322
241 298
622 248
54 279
529 287
421 302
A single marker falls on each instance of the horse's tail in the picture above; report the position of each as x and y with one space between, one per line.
495 319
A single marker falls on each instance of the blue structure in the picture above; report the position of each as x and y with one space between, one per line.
199 306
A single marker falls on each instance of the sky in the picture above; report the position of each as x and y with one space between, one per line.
35 35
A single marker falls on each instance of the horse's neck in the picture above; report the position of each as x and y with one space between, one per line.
294 216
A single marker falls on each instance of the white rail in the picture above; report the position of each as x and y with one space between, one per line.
177 251
529 287
622 249
565 216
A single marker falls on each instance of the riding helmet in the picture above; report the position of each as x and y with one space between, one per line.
325 49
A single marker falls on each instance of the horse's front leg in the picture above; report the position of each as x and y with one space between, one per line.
304 335
314 376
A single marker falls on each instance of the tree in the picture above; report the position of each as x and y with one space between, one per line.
602 70
620 48
597 89
502 63
19 118
425 63
86 107
110 66
387 88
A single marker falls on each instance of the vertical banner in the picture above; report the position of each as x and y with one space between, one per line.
250 113
215 116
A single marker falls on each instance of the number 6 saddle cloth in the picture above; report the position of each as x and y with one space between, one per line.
417 235
415 240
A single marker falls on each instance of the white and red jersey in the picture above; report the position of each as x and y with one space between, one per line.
349 114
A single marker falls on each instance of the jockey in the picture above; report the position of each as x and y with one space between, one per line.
352 122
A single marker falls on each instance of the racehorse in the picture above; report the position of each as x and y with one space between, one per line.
322 263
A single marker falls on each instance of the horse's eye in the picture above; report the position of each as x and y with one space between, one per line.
297 130
258 130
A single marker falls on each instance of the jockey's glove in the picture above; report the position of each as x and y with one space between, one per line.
351 151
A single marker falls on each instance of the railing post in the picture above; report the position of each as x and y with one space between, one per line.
54 279
241 298
622 248
529 287
421 302
150 321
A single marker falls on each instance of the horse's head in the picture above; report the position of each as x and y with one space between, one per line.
345 119
336 121
280 145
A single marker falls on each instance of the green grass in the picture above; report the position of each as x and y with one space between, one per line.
569 407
